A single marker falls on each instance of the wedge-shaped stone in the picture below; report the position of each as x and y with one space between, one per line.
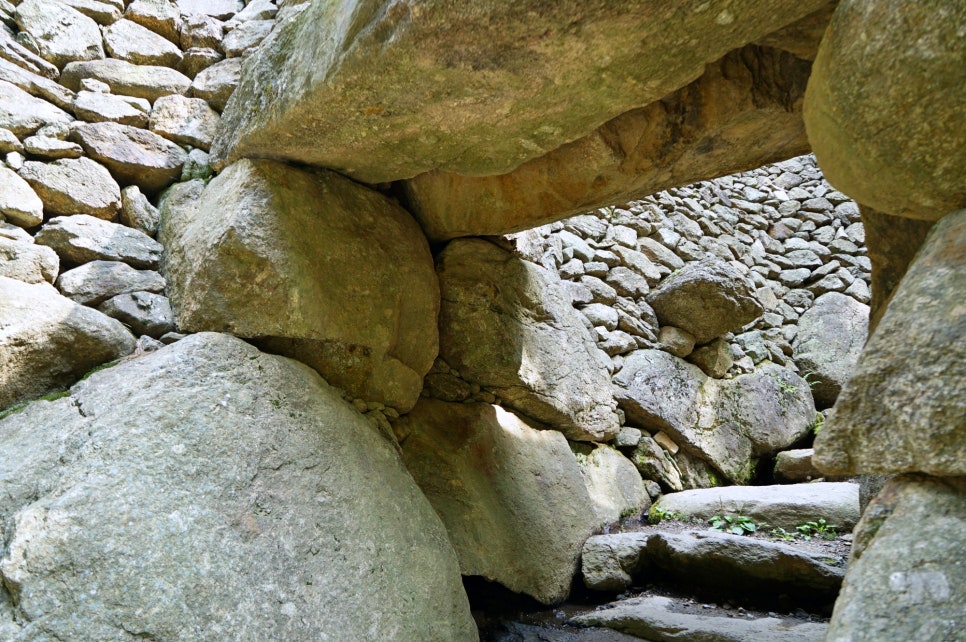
511 497
246 36
23 114
142 81
745 110
126 40
134 156
96 107
729 423
36 85
143 312
188 121
160 16
221 9
74 186
386 91
62 34
14 52
254 497
27 261
615 486
82 238
903 409
19 204
317 267
47 342
508 325
217 83
95 282
102 12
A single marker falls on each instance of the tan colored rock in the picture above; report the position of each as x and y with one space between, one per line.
96 107
508 325
614 485
160 16
199 30
317 268
188 121
142 81
23 114
126 40
512 497
62 34
47 341
884 117
28 262
134 156
51 148
715 359
103 12
13 52
197 59
903 410
19 204
216 83
36 85
74 186
802 37
471 89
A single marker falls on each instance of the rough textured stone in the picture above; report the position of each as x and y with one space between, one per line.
142 81
830 337
133 156
884 117
27 262
47 342
217 83
19 204
160 16
615 486
507 324
904 409
143 312
706 298
137 211
727 422
24 114
715 359
610 562
51 148
906 578
496 84
82 238
656 464
796 466
310 263
97 281
221 9
265 536
246 36
74 186
95 107
129 41
188 121
743 111
61 33
662 619
22 57
782 506
512 497
102 12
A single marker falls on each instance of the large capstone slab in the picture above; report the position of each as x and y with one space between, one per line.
315 267
210 491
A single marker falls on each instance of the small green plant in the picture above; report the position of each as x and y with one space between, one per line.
818 424
736 524
656 515
811 382
782 534
786 387
819 528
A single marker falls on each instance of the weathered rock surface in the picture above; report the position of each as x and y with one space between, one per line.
24 114
615 486
20 56
706 298
727 422
103 12
221 9
189 121
783 506
610 562
47 342
507 325
74 186
744 110
143 312
27 262
82 238
904 410
160 16
62 34
658 618
95 282
512 497
906 577
884 117
19 204
245 36
656 464
129 41
265 536
137 211
796 466
830 337
310 263
497 84
96 107
217 83
141 81
134 156
51 148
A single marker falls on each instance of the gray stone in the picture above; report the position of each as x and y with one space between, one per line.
137 211
27 262
654 463
727 422
792 466
23 114
627 282
143 312
217 83
62 34
600 315
103 13
507 324
51 148
197 59
198 165
830 337
21 57
160 16
781 506
95 282
610 562
201 31
906 578
903 409
264 534
95 107
47 343
141 81
246 36
715 359
707 298
133 156
302 261
511 497
615 486
661 619
628 437
81 238
129 41
74 186
254 10
188 121
221 9
19 204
